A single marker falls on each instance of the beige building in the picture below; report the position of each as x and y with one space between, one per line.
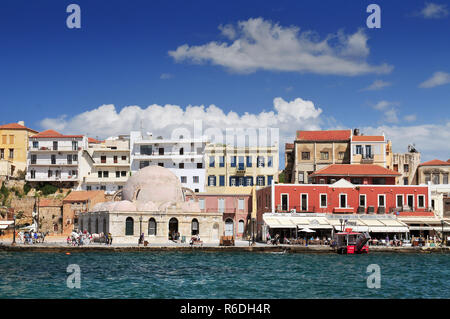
78 203
13 148
406 164
240 166
50 215
314 150
153 203
434 172
367 149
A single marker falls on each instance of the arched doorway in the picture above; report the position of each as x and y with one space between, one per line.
173 228
195 230
129 226
152 227
229 227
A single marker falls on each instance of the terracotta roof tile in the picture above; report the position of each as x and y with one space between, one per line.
93 140
368 138
16 126
339 135
355 170
54 134
435 162
80 196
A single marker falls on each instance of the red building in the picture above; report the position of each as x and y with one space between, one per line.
356 174
342 197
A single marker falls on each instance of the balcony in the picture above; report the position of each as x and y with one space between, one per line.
52 164
296 209
169 155
240 170
44 149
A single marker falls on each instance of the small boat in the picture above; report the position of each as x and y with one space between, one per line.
350 242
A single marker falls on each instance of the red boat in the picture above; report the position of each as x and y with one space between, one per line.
349 242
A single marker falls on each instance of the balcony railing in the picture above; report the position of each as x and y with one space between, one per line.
58 149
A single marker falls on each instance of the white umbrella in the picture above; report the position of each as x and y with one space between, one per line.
307 230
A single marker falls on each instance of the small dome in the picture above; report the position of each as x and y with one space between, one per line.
153 184
146 207
98 207
124 206
108 206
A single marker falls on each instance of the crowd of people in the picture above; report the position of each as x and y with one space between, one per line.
80 238
31 237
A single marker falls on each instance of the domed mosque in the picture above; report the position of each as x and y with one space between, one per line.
153 202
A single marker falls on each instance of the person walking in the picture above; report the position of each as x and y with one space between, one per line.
141 239
110 239
106 239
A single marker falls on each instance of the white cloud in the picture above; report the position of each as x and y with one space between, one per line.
410 118
389 110
438 78
377 85
262 45
434 11
106 121
166 76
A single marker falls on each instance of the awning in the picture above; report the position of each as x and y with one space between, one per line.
279 222
390 229
316 222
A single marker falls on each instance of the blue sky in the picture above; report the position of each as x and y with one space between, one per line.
50 76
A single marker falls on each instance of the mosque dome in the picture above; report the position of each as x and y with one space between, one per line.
124 206
153 184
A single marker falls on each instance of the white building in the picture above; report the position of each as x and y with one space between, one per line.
109 164
54 157
184 157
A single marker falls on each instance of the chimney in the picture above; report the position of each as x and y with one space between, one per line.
356 131
21 123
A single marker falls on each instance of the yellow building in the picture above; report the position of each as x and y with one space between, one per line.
13 148
367 149
240 166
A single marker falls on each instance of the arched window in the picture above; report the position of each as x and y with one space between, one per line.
241 227
152 227
229 227
89 225
195 227
104 225
96 226
129 226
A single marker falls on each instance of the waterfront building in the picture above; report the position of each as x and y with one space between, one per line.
235 166
236 206
289 161
108 164
55 158
434 172
314 150
406 164
367 149
183 156
50 215
153 202
356 174
77 203
341 198
13 148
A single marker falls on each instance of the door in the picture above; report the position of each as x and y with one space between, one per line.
229 227
284 202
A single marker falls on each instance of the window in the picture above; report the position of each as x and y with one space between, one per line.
405 180
445 178
305 156
260 161
115 159
183 179
195 179
323 200
249 161
11 139
356 180
106 174
55 145
201 203
362 200
11 153
343 200
182 151
284 202
435 179
117 174
33 159
396 167
146 150
35 144
233 181
221 161
410 199
222 180
260 180
50 173
194 227
358 149
248 181
241 227
269 179
421 201
33 174
99 174
381 201
301 177
241 163
406 168
181 165
69 159
233 161
221 205
4 137
379 181
199 165
211 180
74 145
341 155
324 155
74 157
241 181
427 178
58 173
152 227
2 153
123 173
211 161
129 226
304 201
103 159
161 164
124 158
269 161
399 202
241 204
161 151
53 159
368 151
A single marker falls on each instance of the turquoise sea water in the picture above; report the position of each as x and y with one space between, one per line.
223 275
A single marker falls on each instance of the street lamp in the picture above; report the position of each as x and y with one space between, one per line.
442 240
14 230
140 226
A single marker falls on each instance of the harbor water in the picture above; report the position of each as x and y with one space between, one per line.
222 275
